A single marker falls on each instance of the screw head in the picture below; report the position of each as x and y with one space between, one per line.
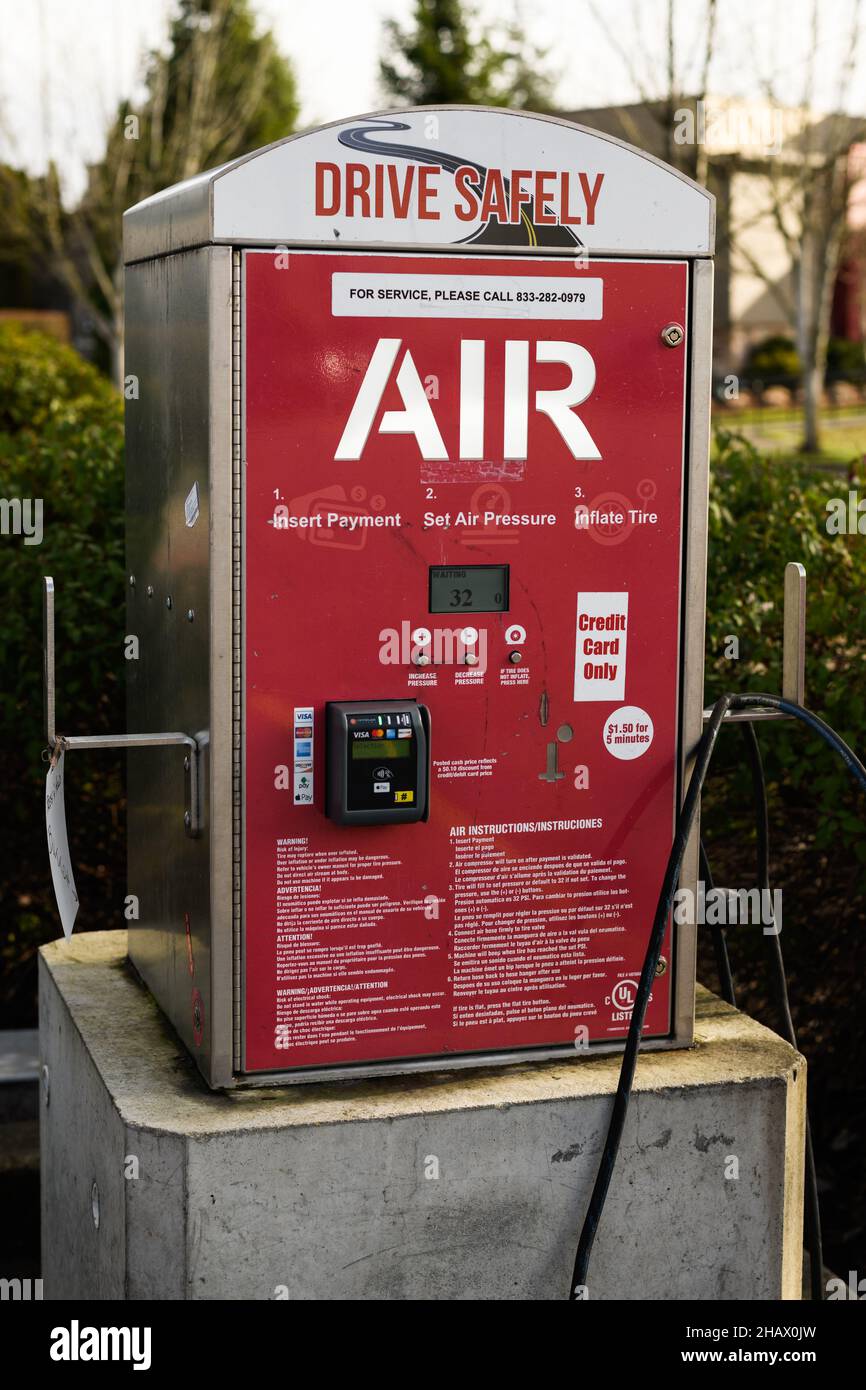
190 615
661 966
168 600
149 591
46 1084
132 581
187 819
673 334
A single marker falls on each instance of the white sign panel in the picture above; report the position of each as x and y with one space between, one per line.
600 647
476 178
628 733
191 506
58 848
363 295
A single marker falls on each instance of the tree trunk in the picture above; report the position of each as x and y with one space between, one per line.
824 220
117 360
812 384
117 326
807 299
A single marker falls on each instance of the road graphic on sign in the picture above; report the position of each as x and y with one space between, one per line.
525 233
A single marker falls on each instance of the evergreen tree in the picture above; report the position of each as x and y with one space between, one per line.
445 57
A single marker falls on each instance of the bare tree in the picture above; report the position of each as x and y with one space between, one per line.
824 197
686 79
222 89
807 182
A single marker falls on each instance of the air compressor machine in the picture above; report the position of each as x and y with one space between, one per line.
417 449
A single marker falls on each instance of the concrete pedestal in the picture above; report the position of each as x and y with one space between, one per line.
468 1185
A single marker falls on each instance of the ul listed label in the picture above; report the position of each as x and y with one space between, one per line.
622 999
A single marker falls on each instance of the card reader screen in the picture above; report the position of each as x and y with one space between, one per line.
381 749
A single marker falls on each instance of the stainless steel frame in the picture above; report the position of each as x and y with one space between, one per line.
185 345
699 340
179 605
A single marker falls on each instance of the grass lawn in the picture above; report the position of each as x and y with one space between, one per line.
778 431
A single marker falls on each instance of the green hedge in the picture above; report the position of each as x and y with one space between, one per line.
764 513
61 440
776 362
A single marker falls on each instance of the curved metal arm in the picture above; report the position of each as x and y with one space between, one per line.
192 814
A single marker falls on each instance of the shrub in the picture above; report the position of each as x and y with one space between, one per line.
61 440
774 362
761 516
846 361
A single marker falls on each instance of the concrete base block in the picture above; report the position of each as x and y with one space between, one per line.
467 1185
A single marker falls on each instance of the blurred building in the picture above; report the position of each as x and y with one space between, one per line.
754 156
31 291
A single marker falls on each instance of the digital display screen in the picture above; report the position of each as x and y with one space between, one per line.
468 588
381 749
